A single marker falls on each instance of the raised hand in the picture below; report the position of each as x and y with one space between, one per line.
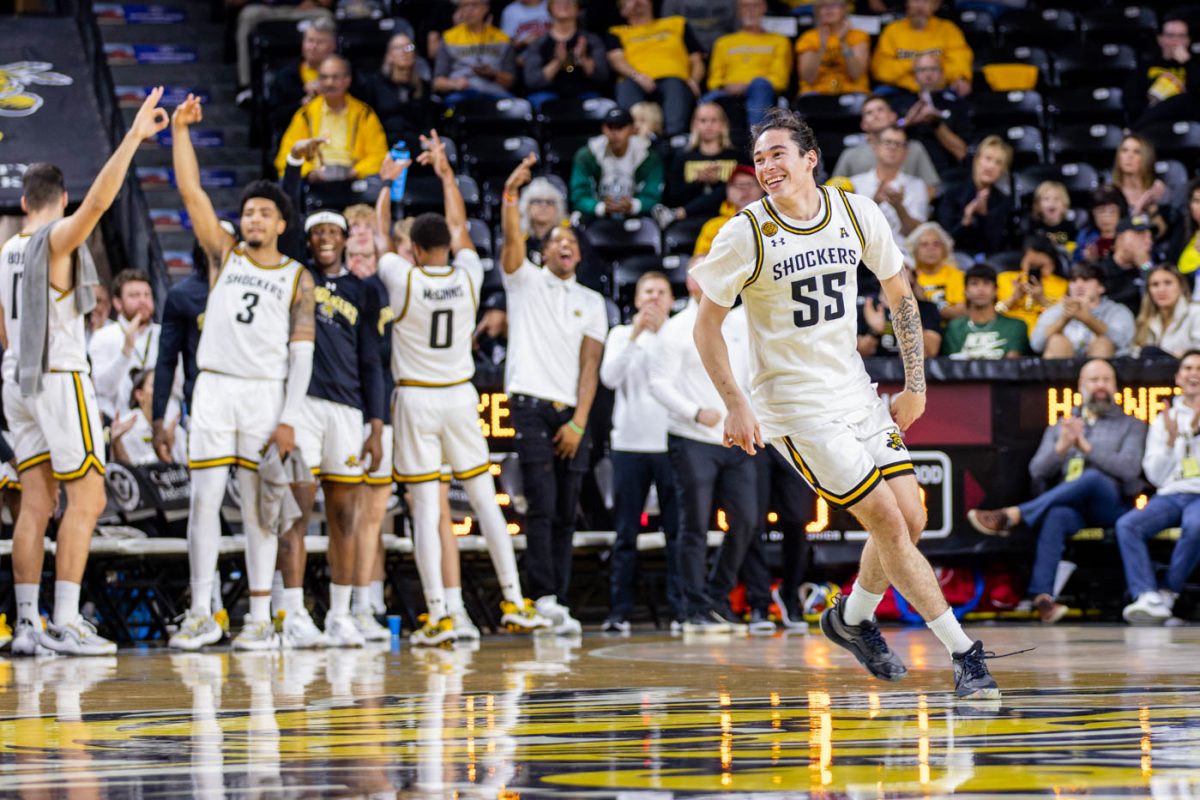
435 154
391 168
522 175
309 149
187 113
150 118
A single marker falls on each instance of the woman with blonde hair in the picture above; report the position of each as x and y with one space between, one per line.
695 179
1168 320
975 212
932 251
1133 174
399 91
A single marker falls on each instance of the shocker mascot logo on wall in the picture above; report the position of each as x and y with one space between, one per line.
16 79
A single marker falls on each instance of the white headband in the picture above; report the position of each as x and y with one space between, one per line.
322 217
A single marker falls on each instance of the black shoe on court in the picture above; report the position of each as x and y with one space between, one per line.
864 641
972 681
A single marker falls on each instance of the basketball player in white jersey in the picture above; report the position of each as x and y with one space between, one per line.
56 429
793 258
255 358
435 407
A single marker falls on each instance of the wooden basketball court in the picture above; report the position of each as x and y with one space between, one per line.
1093 710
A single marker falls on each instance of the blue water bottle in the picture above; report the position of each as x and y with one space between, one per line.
399 152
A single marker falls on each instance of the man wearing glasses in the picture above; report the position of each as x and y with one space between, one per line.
903 198
1163 89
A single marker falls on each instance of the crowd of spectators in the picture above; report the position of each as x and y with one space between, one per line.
1004 268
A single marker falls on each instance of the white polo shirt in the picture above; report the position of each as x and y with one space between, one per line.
548 319
916 199
639 422
679 381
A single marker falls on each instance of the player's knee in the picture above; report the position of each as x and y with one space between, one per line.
86 495
917 519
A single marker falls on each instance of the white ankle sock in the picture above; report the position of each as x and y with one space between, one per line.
454 602
860 605
293 600
260 608
950 632
27 603
66 602
339 599
376 594
362 600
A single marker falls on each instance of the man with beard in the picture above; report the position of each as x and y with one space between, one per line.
1095 453
346 386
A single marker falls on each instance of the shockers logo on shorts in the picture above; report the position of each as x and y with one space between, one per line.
894 442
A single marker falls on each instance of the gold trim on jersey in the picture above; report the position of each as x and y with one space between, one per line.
802 231
424 477
758 248
352 479
407 298
473 471
427 385
62 293
246 463
206 463
862 240
296 285
33 461
385 480
91 462
449 271
837 501
898 469
244 253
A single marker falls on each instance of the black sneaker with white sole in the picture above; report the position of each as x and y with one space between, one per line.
972 680
864 641
725 615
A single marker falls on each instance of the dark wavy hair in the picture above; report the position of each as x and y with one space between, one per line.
782 119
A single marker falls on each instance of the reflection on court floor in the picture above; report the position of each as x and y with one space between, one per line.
1093 710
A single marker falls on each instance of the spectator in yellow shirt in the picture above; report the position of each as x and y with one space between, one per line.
741 190
656 59
355 144
832 57
932 250
751 63
1025 293
918 33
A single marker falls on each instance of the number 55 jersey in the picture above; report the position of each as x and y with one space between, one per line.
799 283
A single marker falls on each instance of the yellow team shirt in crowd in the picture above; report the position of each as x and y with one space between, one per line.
741 57
336 152
1189 259
307 74
944 285
712 227
656 48
832 76
1054 287
900 44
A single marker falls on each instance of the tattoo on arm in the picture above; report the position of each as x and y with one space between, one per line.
906 321
304 317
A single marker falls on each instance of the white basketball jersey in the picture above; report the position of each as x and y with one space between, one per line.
247 322
66 327
799 283
435 319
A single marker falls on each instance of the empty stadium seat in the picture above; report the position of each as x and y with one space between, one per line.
1044 27
1100 104
1025 140
481 236
627 271
1033 56
1171 172
1081 179
979 28
832 114
1094 65
559 152
680 237
615 239
1094 143
365 41
1132 25
1177 140
508 116
572 116
423 192
997 109
490 156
